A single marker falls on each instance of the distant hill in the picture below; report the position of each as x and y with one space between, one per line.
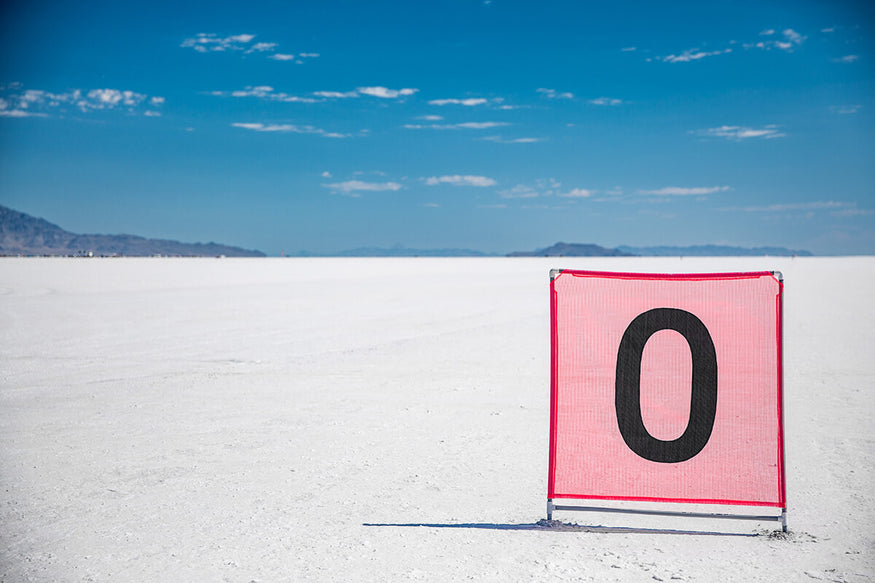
572 250
22 234
713 251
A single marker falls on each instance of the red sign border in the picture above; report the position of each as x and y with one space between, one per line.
779 314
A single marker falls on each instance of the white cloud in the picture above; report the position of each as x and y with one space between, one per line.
847 59
265 92
791 40
519 191
480 125
431 205
845 109
431 117
828 205
606 101
39 103
336 94
353 187
830 29
384 93
542 187
577 193
793 36
692 55
326 174
628 49
466 102
501 140
680 191
470 125
852 212
290 128
210 42
5 111
743 133
553 94
262 47
457 180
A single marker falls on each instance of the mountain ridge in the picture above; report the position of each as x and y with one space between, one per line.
23 234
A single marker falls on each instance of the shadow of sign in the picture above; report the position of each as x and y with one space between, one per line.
557 526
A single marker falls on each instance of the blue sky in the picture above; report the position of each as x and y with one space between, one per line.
495 125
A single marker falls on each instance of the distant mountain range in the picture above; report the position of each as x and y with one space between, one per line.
572 250
22 234
713 251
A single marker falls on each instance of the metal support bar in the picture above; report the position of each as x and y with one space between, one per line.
782 517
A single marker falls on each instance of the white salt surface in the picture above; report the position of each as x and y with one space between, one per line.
375 420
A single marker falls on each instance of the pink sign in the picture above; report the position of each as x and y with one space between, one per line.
666 388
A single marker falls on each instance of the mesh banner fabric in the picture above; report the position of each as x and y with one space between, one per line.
666 388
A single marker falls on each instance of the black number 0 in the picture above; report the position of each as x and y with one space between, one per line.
703 398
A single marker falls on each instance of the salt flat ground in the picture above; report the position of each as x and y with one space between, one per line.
374 420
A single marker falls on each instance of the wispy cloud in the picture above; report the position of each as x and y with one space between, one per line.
385 93
606 101
520 191
268 93
691 55
545 187
468 125
788 40
628 49
852 212
821 205
577 193
265 92
468 102
336 94
212 43
458 180
288 128
738 133
553 94
684 191
355 187
17 102
845 109
847 59
262 47
501 140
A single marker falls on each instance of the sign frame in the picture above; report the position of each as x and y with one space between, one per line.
553 495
